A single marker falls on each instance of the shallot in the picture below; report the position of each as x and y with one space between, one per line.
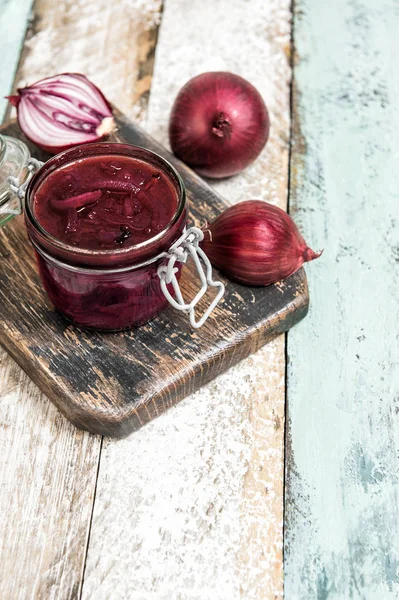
256 243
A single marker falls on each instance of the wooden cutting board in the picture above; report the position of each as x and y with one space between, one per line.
112 383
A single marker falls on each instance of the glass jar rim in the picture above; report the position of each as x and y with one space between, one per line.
103 149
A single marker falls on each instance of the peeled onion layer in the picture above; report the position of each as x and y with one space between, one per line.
63 111
219 124
256 243
76 201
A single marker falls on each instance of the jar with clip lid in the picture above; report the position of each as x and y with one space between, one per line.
108 223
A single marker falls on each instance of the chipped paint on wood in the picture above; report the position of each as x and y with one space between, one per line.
342 530
48 471
112 43
190 506
48 468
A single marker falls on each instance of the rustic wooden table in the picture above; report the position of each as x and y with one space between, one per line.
302 437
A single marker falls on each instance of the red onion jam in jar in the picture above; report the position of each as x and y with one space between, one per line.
99 217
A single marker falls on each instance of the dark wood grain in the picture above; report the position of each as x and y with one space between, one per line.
115 382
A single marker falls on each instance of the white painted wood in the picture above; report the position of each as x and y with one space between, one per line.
107 41
190 507
47 475
47 467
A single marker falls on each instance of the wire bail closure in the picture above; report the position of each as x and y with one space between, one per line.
19 189
188 245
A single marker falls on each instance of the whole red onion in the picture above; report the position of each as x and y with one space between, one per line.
63 111
219 124
256 243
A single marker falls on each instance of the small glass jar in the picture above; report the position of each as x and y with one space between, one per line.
122 287
105 289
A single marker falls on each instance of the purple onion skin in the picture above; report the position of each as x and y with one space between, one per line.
219 124
256 243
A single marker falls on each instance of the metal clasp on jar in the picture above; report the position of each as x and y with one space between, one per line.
19 187
188 245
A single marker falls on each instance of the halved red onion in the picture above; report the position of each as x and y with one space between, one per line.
63 111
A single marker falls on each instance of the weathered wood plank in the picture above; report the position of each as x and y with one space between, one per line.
110 42
48 468
342 530
190 506
14 15
48 471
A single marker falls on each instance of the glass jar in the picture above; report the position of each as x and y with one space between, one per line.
14 158
122 287
105 289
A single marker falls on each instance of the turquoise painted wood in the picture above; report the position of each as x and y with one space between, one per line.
14 16
341 509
